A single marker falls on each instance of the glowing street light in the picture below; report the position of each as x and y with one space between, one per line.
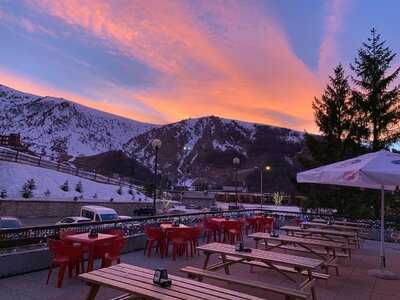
266 168
236 163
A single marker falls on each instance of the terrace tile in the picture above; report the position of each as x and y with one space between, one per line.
353 282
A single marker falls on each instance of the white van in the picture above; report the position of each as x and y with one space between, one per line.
98 213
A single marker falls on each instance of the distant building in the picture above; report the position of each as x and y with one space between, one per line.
232 188
197 198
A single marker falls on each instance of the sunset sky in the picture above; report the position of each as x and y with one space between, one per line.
162 61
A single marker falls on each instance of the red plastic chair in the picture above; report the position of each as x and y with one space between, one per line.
180 239
155 238
266 224
211 230
253 224
232 231
113 252
195 236
63 256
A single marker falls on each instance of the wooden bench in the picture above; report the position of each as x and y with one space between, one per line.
289 293
255 263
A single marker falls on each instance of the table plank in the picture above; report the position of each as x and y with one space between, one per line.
331 226
130 288
187 283
139 281
263 255
342 223
300 240
346 234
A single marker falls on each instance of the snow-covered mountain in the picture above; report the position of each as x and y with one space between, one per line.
59 128
195 149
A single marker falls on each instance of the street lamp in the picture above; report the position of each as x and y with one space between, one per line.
156 144
267 168
236 163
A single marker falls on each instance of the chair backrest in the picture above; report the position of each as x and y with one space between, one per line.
117 245
67 232
252 221
55 246
179 232
210 224
232 224
59 247
153 232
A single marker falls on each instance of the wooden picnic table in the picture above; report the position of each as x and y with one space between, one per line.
327 234
269 259
329 256
346 223
91 243
138 281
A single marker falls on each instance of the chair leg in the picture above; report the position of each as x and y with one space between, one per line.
49 273
70 267
61 272
149 246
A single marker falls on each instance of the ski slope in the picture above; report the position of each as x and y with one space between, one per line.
14 175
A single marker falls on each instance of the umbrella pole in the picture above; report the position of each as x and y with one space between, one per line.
382 273
383 259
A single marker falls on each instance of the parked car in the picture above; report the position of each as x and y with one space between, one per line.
98 213
10 223
73 220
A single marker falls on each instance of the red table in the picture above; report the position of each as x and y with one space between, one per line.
84 239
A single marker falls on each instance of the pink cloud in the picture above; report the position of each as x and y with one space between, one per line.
240 67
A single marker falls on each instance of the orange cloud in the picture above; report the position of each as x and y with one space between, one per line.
215 58
38 88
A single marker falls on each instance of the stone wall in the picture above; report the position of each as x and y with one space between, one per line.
40 208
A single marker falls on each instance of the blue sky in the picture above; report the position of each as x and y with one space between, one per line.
161 61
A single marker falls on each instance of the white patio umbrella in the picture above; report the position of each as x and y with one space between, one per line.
377 170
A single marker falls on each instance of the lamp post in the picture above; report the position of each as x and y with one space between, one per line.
236 163
267 168
156 144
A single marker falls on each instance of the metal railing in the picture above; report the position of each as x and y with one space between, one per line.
39 234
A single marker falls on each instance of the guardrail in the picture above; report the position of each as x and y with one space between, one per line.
12 155
135 225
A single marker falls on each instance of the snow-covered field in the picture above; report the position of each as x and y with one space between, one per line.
14 175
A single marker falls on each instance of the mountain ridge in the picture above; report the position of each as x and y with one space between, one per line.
194 150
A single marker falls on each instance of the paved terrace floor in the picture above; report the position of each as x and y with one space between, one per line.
353 282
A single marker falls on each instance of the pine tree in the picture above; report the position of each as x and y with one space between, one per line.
31 184
65 186
130 191
119 191
377 99
335 120
26 191
79 187
3 194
